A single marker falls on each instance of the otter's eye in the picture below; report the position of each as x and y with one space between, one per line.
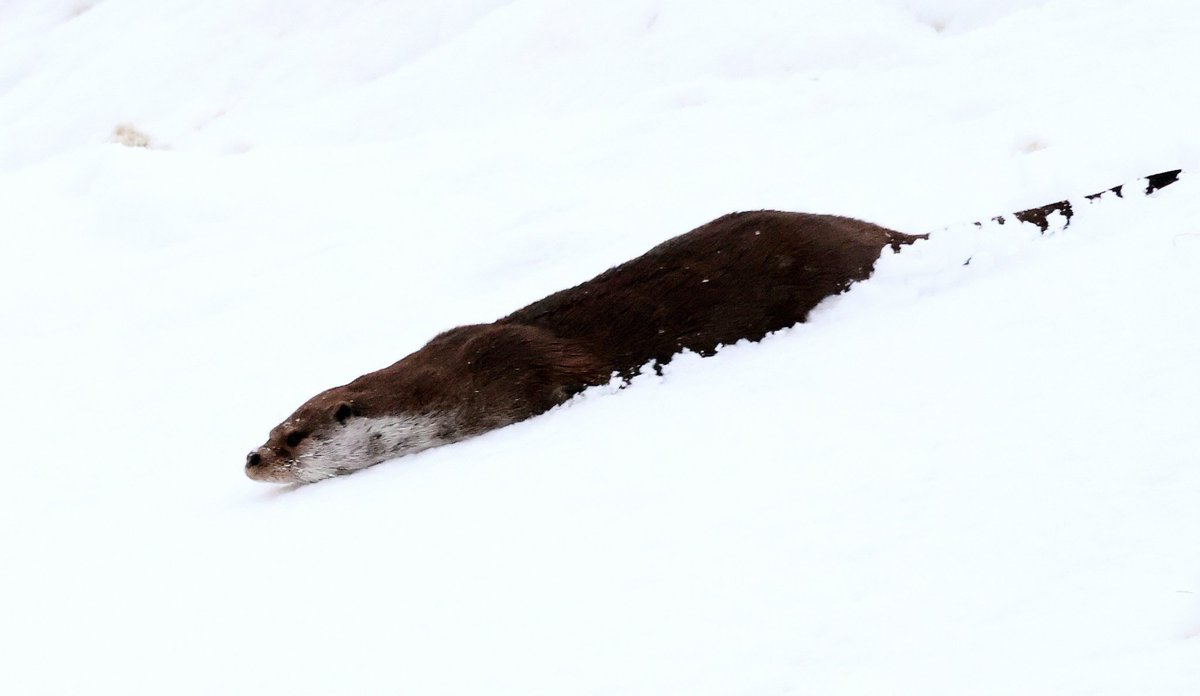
344 411
294 438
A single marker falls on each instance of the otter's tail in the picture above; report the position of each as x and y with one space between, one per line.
1040 216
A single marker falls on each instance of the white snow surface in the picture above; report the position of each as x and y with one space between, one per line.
955 479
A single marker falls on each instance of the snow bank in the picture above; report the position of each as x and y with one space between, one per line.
955 479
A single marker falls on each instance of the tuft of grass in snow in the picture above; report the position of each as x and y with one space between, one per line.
129 136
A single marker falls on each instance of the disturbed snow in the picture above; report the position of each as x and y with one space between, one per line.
954 479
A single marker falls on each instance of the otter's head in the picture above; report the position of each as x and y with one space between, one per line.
464 382
336 433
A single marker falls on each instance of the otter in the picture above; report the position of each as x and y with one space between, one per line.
738 277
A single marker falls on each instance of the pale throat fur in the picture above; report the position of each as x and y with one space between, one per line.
342 448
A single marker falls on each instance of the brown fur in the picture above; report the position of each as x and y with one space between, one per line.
738 277
1040 215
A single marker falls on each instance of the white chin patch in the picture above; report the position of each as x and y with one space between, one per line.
362 442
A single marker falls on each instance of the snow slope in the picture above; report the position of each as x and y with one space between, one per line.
954 479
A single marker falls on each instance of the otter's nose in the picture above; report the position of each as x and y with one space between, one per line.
253 459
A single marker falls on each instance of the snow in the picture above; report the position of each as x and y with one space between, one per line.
955 479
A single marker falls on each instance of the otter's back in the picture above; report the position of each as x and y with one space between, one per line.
740 276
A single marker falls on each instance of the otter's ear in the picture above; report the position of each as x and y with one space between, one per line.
344 411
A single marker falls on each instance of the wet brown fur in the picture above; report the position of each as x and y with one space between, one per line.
485 375
740 276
